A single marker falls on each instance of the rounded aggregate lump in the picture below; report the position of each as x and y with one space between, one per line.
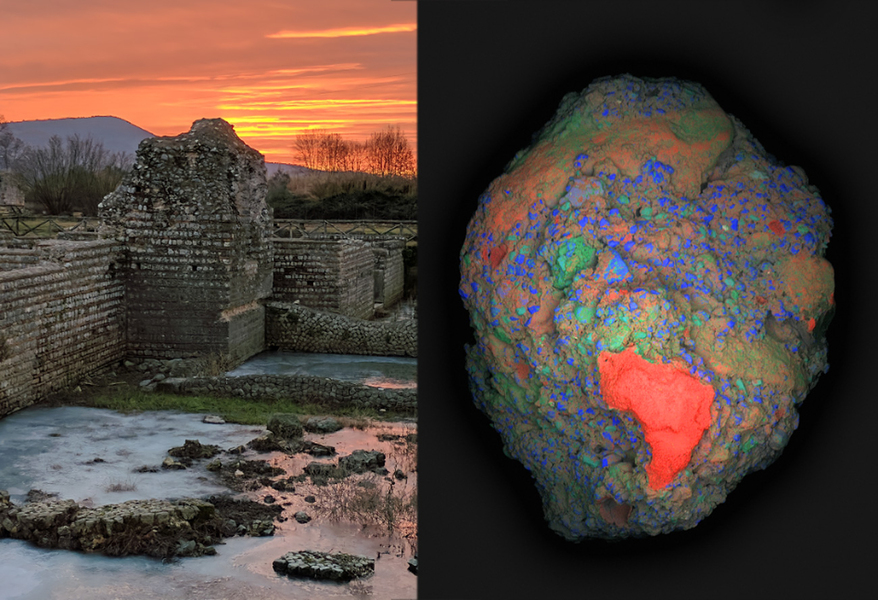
649 300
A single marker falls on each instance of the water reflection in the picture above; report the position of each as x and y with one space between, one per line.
377 371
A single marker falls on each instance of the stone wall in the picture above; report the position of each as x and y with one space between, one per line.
334 275
196 228
182 266
299 329
61 316
330 393
389 271
389 264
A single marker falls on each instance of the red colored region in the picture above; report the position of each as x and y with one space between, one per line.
497 254
777 227
811 324
523 370
672 406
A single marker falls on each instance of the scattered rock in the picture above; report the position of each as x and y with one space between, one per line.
172 464
269 499
186 548
286 426
302 517
193 449
310 499
322 425
213 419
315 449
324 565
38 496
413 565
158 528
360 461
148 469
399 474
242 475
269 442
284 485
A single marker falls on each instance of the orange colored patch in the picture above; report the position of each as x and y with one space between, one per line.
523 370
672 406
811 324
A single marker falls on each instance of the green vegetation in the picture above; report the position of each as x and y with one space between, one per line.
360 196
233 410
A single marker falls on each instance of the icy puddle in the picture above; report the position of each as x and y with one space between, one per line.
375 371
91 456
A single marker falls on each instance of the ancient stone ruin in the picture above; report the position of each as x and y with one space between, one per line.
181 267
196 229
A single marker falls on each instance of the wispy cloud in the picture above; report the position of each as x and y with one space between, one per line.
345 31
214 59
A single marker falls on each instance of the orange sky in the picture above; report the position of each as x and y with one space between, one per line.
271 68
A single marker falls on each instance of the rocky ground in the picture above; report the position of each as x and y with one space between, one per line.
278 477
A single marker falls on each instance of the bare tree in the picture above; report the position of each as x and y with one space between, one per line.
388 153
355 157
10 146
308 148
333 151
64 176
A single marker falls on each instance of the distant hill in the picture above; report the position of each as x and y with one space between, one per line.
117 135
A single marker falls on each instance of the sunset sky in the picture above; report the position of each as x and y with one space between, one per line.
271 68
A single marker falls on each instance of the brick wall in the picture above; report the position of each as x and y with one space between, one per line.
61 316
333 275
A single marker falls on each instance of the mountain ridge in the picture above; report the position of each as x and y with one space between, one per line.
116 135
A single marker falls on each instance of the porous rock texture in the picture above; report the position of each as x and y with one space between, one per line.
324 565
649 298
159 528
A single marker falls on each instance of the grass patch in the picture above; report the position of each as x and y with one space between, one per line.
233 410
388 502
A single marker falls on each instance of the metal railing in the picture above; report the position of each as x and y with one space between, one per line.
45 226
42 226
288 228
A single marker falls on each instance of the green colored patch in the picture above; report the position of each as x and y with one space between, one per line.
573 256
584 313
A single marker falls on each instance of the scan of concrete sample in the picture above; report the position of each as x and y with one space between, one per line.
649 299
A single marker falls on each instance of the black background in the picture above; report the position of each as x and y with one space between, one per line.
803 78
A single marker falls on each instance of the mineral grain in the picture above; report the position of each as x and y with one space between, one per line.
649 298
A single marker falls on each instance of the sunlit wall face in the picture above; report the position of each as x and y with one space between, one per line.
272 69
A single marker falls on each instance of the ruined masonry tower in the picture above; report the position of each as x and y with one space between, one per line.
196 228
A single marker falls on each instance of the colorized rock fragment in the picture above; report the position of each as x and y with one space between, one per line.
649 299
